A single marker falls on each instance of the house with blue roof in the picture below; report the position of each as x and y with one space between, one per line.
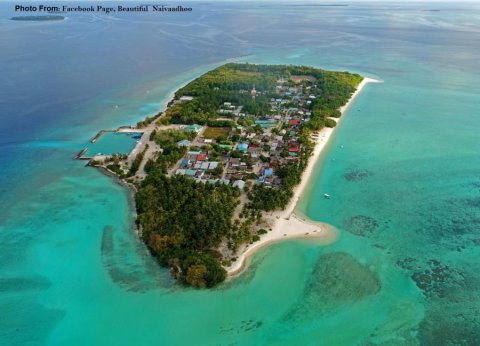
268 172
243 146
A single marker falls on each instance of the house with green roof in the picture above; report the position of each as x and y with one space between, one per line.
193 128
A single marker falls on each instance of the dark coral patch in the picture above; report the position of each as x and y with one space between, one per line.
356 174
361 225
449 329
338 280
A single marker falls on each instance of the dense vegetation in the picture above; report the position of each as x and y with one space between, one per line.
184 222
223 84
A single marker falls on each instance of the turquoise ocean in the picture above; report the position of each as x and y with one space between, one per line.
403 170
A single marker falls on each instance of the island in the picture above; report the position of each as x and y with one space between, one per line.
218 173
52 17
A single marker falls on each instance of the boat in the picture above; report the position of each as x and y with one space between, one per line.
326 195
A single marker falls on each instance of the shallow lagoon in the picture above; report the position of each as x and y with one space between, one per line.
113 143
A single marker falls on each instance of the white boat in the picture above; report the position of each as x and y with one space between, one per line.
326 195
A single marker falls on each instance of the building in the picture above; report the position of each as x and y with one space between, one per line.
193 128
268 172
225 146
184 143
192 155
243 147
293 150
265 123
234 162
239 183
213 165
293 122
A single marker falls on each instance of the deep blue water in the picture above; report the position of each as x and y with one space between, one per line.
403 171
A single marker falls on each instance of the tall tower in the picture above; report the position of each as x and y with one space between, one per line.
253 93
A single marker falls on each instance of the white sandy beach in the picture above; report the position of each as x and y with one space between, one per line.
286 224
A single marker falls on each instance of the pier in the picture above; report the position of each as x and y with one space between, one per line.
100 134
80 156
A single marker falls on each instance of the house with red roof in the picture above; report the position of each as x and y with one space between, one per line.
293 149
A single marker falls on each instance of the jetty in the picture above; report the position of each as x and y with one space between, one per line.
100 134
80 156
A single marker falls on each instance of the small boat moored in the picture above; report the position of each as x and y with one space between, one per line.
326 195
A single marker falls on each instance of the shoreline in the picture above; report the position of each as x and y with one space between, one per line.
286 224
